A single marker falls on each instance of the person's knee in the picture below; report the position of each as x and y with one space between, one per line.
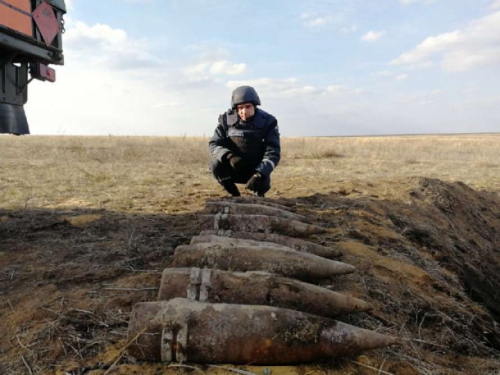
216 167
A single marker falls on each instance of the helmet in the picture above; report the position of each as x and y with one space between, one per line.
244 94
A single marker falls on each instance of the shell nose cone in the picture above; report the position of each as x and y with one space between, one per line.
356 340
341 268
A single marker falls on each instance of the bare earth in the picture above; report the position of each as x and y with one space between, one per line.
88 224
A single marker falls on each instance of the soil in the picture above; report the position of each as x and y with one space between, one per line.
427 258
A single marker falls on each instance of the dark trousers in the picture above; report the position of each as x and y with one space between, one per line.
229 177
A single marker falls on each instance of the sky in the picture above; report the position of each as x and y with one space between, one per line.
321 67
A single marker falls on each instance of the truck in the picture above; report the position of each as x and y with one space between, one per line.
30 40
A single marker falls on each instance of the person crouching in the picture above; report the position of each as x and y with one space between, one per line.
245 147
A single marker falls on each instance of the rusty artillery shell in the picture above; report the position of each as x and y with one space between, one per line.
258 223
196 332
289 263
227 207
294 243
256 200
228 241
255 288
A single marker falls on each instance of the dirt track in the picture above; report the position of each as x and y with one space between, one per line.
427 258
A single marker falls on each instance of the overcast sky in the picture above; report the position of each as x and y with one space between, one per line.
322 67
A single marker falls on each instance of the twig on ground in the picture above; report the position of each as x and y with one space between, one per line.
52 311
426 342
63 347
381 366
373 368
62 305
20 343
27 365
420 326
242 372
114 363
75 350
85 311
122 352
28 197
96 316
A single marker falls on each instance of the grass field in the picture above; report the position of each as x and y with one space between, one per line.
136 173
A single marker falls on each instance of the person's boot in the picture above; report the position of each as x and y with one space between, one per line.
228 184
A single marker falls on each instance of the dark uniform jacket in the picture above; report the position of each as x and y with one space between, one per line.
257 141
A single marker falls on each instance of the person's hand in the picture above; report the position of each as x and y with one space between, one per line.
235 162
254 184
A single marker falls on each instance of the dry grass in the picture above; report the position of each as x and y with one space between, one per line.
142 173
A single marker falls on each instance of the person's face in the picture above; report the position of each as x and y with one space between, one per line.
245 111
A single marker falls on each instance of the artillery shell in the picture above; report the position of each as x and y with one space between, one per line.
228 241
256 200
258 223
227 207
288 263
255 288
196 332
294 243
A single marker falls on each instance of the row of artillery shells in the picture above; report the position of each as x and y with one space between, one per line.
238 294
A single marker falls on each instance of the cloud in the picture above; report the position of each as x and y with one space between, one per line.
165 104
420 98
289 87
495 4
342 90
266 83
392 75
215 68
319 21
138 1
210 51
349 29
419 66
373 36
408 2
69 4
459 50
429 46
98 32
303 90
115 83
98 92
105 45
227 67
313 20
385 73
274 86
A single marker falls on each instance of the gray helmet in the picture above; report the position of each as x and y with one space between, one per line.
244 94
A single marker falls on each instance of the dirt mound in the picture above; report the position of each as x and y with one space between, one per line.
426 260
430 261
